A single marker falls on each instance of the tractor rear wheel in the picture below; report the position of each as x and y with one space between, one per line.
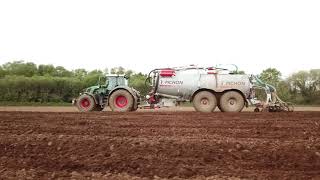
85 103
121 101
231 101
204 101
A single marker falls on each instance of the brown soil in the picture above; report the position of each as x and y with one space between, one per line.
164 109
144 145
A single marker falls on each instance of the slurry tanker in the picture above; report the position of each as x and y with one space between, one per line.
210 87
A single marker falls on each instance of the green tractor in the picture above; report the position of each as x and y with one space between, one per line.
115 93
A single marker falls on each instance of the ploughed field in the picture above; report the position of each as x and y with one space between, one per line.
144 145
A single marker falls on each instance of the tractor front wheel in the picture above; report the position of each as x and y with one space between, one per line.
85 103
121 101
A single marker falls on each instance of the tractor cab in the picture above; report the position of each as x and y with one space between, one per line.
114 80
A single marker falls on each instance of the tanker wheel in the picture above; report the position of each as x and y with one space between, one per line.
204 101
121 101
231 101
85 103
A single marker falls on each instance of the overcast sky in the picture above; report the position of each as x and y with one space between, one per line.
145 34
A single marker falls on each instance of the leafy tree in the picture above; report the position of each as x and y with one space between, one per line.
92 77
271 76
48 70
80 73
305 86
118 70
137 81
20 68
62 72
300 81
2 72
128 73
315 77
283 91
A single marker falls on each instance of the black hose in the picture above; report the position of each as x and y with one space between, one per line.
149 75
157 80
147 80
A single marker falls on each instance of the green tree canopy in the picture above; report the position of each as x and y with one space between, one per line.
271 76
305 86
118 70
48 70
2 72
20 68
62 72
92 77
80 73
137 81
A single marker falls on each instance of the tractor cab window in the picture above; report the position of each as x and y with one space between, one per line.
122 81
114 81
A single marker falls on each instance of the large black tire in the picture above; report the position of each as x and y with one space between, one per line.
204 101
85 103
121 101
231 101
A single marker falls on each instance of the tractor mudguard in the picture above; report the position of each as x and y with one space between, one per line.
130 90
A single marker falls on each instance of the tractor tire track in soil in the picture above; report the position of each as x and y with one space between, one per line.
144 145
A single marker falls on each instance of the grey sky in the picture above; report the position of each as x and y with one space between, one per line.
143 35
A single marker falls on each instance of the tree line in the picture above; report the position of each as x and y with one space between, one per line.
27 82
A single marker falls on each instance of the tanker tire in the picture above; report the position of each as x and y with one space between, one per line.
85 103
121 106
204 101
231 101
